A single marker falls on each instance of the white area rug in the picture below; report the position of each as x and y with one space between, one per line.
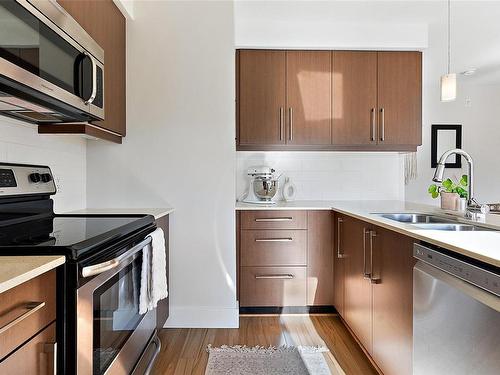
289 360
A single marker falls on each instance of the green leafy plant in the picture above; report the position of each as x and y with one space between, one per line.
450 186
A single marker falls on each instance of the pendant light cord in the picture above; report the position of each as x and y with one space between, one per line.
449 36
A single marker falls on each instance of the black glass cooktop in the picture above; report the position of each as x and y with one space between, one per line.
68 235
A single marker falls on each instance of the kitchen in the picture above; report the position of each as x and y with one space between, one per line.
171 70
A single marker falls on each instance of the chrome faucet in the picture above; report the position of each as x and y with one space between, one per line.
438 175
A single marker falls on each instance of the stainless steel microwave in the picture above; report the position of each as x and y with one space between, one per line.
51 70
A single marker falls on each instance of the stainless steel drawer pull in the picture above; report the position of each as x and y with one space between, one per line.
287 239
340 254
373 280
366 275
286 276
382 124
272 219
282 114
51 350
373 125
32 308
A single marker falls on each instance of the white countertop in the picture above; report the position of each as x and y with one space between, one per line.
480 245
155 211
15 270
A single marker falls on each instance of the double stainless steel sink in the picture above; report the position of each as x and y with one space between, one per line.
432 222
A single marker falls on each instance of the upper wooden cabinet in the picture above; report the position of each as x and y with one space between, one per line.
284 97
355 98
308 97
261 99
400 98
106 25
329 100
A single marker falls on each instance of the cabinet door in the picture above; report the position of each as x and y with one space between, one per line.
37 356
339 260
308 97
400 98
354 98
392 302
357 289
261 97
106 25
319 258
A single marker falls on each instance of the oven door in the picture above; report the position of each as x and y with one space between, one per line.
111 334
39 62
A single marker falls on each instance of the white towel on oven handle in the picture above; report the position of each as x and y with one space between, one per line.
153 273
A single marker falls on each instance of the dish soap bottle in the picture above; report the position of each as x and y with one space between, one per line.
289 190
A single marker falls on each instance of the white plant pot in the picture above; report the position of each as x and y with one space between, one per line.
449 201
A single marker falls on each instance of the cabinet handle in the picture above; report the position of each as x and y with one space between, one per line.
281 123
382 124
290 119
286 276
51 350
32 307
373 280
373 124
340 254
288 239
272 219
366 275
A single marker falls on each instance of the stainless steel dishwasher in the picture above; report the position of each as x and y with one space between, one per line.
456 315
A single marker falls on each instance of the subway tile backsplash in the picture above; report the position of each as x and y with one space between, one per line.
330 175
66 155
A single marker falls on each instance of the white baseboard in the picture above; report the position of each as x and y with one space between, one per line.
202 317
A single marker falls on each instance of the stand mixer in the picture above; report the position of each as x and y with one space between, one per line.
263 185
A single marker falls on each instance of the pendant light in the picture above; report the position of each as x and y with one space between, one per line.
449 80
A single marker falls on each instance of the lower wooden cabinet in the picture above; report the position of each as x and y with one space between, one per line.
273 286
37 356
393 302
285 258
374 291
357 288
28 321
25 310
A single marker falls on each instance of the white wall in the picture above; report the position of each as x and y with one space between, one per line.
325 25
180 150
330 175
480 119
66 155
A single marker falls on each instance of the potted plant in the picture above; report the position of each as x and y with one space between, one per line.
450 192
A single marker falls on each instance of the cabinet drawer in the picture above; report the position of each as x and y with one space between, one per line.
273 247
37 356
25 310
274 219
273 286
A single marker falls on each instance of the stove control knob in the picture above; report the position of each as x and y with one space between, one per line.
35 177
46 177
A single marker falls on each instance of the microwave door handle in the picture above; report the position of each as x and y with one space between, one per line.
96 269
94 79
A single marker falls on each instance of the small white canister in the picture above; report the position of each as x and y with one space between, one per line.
289 190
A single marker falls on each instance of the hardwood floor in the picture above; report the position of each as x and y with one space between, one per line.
184 350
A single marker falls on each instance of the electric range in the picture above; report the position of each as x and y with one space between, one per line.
99 328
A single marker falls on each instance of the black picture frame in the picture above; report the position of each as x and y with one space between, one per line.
434 144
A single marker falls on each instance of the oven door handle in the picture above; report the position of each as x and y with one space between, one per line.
96 269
